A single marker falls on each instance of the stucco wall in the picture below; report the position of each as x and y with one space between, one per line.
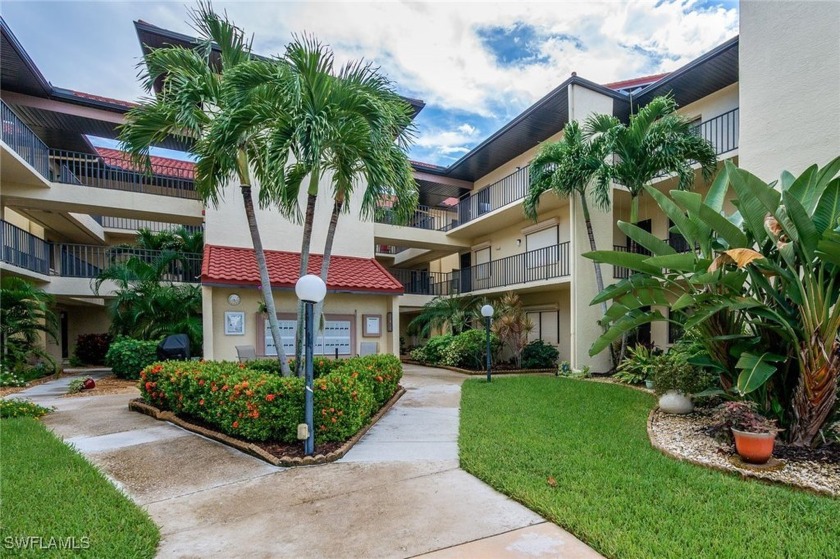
219 346
226 224
790 105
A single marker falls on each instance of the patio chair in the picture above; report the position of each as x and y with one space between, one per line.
246 353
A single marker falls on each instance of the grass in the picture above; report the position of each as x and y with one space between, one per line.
577 453
48 490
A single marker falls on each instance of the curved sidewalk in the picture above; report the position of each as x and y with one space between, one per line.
398 493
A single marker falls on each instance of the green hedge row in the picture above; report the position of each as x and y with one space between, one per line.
263 406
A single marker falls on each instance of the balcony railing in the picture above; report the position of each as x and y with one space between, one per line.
535 265
506 191
130 224
675 240
71 167
424 217
389 249
722 131
24 250
24 142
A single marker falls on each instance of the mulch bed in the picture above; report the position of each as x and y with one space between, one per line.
278 454
684 437
107 385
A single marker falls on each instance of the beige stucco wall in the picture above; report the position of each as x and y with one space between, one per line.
503 240
219 346
789 80
226 224
521 160
712 105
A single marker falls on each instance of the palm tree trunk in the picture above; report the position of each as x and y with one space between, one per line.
328 244
309 219
634 209
264 279
599 278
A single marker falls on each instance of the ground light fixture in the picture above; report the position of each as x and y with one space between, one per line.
487 313
311 290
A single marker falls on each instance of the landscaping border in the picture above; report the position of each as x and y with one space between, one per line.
730 470
139 405
472 373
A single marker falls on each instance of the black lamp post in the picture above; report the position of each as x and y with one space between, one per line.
311 290
487 313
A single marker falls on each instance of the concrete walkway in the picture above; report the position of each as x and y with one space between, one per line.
398 493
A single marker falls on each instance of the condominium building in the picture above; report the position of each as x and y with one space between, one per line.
65 202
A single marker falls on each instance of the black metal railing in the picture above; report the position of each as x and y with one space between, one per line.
723 131
389 249
420 282
675 240
424 217
499 194
88 261
19 137
131 224
87 169
24 250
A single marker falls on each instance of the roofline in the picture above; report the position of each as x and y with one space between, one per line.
287 287
25 57
574 79
68 95
690 66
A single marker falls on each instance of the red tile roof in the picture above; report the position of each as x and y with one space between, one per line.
642 80
160 165
119 102
238 266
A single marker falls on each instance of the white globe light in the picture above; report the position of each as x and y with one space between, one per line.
310 288
486 311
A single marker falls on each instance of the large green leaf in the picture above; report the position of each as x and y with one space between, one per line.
827 212
717 191
630 321
755 370
751 207
686 227
628 260
807 231
684 262
730 232
829 247
654 244
625 286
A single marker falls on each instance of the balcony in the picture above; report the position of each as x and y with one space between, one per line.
23 141
510 189
131 225
24 250
424 217
528 267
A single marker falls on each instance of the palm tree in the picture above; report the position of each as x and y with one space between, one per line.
657 140
450 315
193 98
25 314
567 168
512 325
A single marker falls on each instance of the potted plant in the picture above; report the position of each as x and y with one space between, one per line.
754 434
675 380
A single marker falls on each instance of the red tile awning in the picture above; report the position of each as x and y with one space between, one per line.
238 266
165 166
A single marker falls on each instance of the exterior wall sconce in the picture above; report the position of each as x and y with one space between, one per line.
518 242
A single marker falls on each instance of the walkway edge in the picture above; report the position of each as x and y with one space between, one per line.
140 406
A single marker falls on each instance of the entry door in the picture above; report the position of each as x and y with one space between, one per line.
466 279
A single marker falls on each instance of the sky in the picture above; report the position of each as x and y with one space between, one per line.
476 65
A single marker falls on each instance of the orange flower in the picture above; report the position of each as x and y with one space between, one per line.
236 425
201 402
269 397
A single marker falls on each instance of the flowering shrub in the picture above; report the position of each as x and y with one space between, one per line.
91 348
320 365
21 408
263 406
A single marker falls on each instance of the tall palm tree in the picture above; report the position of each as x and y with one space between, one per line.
450 315
567 168
656 140
193 97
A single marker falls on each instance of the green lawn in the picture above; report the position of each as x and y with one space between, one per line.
48 490
614 491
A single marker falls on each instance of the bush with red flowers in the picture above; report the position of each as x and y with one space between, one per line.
263 406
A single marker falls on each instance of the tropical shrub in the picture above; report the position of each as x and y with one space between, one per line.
512 325
637 366
264 406
672 371
741 416
539 355
469 349
92 348
127 356
433 352
76 385
9 377
15 407
450 315
320 365
26 312
564 369
382 374
761 289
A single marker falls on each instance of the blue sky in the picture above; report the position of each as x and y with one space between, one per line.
475 64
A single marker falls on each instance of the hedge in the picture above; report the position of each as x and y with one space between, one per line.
127 356
263 406
320 365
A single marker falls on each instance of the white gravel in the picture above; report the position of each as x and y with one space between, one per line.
683 436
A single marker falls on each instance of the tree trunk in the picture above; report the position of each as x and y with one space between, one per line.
328 245
264 279
306 243
634 208
816 393
599 278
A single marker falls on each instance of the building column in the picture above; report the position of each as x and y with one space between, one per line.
207 321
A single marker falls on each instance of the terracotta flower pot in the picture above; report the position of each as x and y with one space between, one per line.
755 448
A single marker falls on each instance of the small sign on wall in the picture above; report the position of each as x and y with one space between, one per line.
234 323
372 325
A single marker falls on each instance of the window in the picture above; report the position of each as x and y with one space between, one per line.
538 246
546 326
482 268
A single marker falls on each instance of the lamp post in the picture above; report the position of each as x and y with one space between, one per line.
487 313
311 290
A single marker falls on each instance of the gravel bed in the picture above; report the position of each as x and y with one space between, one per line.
684 437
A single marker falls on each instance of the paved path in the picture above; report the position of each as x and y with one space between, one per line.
398 493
